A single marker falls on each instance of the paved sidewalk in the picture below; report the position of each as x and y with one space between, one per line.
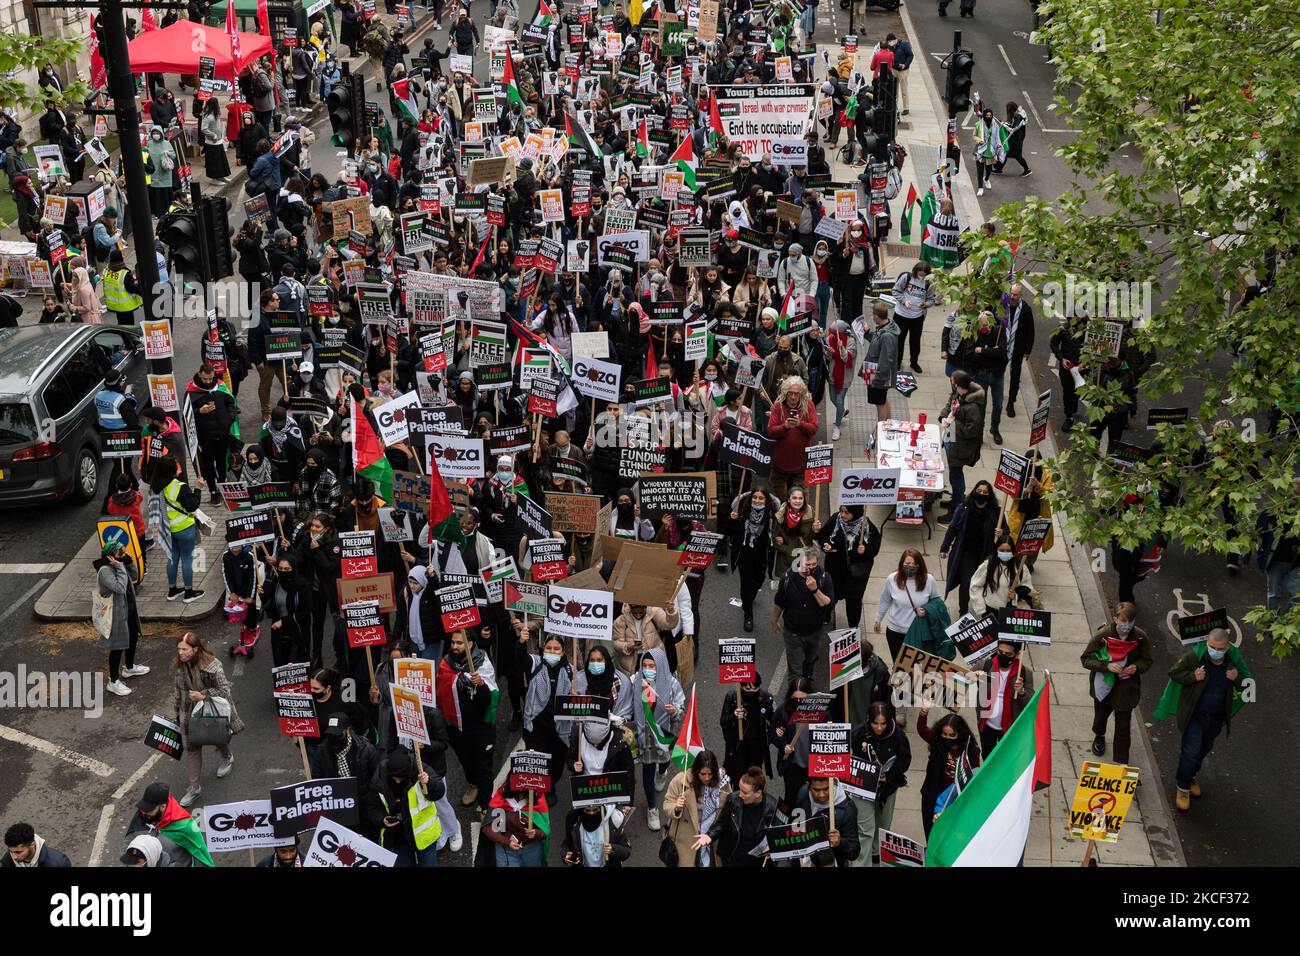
1063 574
68 597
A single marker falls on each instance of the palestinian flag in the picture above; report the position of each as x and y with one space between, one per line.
579 136
544 15
508 80
181 829
643 140
448 697
905 221
716 131
368 457
988 823
440 508
664 739
406 100
684 159
688 741
1168 705
787 308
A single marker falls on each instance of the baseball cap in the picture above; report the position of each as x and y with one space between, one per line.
337 725
154 794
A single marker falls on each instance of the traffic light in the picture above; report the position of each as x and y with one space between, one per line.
884 120
213 216
181 232
347 108
961 67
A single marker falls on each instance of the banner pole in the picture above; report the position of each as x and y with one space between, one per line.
832 805
302 749
741 720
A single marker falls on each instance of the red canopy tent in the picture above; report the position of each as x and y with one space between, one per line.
177 49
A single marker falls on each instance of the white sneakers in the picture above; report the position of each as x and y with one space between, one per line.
652 819
835 433
135 670
661 781
980 191
192 794
118 688
226 766
456 842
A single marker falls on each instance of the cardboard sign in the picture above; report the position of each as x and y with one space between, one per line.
457 607
292 678
573 513
524 597
700 550
245 825
681 495
543 397
914 662
828 750
547 559
250 528
749 450
296 714
1197 627
164 736
358 557
845 656
336 846
790 841
898 850
817 465
1013 473
580 613
408 712
377 587
812 709
869 486
595 789
1032 535
529 770
863 779
1101 800
582 707
975 640
1025 625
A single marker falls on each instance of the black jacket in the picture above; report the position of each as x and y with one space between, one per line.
893 744
362 761
614 836
993 355
215 425
846 823
725 831
48 858
1022 346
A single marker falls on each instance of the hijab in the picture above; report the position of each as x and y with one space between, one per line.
415 629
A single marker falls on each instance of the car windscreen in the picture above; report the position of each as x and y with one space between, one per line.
17 424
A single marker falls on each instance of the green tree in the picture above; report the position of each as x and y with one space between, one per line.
1204 94
18 54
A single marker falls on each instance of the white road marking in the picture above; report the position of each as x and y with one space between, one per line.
101 833
136 777
98 768
1041 125
31 591
30 568
1007 60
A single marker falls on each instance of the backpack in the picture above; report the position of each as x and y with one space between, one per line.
893 183
899 155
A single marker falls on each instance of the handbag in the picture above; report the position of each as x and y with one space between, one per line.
208 725
668 848
101 612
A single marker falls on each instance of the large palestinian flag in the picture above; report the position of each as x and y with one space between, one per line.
988 823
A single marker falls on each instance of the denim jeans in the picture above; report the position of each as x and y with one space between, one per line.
408 856
808 21
527 856
992 380
823 303
1282 585
648 771
432 651
182 551
837 397
956 477
1198 741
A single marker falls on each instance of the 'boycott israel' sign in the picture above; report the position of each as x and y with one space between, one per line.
579 612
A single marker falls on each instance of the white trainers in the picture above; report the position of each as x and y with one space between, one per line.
652 819
772 584
118 688
192 794
135 670
226 766
835 433
980 191
456 842
661 781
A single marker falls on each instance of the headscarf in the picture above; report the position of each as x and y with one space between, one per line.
259 474
414 627
282 435
850 529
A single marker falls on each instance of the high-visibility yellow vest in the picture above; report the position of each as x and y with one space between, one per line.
424 818
177 520
115 295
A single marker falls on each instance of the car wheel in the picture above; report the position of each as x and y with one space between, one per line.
85 477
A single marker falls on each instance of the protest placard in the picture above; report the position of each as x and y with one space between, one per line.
1102 799
547 559
524 597
817 465
737 660
408 713
334 845
1013 473
678 494
699 550
291 678
1033 533
594 789
573 513
845 656
898 850
582 707
365 626
1195 628
741 448
296 714
790 841
580 613
975 640
416 674
828 749
1025 625
529 770
243 825
868 486
457 607
249 528
812 709
863 779
164 736
358 556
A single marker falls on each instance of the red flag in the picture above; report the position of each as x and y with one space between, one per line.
715 117
147 22
98 71
439 501
232 30
263 18
481 253
651 366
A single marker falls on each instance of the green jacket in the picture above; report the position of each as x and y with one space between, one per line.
1183 675
929 632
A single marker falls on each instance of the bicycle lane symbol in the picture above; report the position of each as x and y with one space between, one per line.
1187 607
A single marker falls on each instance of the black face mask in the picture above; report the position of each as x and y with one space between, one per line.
1006 660
591 822
335 744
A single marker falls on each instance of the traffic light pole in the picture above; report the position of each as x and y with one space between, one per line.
121 86
954 148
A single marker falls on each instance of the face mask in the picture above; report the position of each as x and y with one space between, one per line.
758 507
385 387
1006 659
648 673
504 474
1124 628
1005 556
596 668
1216 656
315 537
783 352
551 659
307 376
710 376
909 571
951 743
